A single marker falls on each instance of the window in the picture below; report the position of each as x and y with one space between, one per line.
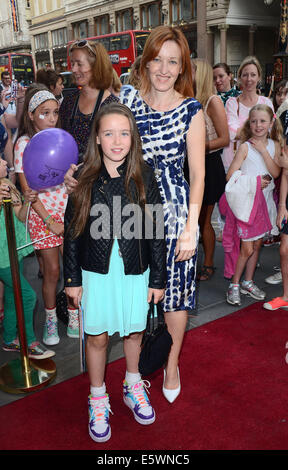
59 37
80 30
4 60
183 10
41 41
122 41
101 25
151 15
124 20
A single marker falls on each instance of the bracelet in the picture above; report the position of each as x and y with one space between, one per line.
52 221
280 204
11 169
46 218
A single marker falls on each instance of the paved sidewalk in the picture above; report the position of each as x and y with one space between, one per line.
211 304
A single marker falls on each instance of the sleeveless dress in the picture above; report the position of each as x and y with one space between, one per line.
215 178
163 136
80 128
254 165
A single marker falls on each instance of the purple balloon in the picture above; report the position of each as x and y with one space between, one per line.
47 157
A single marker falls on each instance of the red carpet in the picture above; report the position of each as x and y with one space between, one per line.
235 397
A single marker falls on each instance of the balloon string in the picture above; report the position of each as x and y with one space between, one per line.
27 216
26 228
35 241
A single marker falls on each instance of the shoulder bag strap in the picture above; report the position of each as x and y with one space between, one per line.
97 105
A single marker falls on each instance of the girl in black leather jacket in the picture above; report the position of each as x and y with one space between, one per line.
114 257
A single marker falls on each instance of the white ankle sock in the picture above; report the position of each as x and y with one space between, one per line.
98 391
132 378
51 312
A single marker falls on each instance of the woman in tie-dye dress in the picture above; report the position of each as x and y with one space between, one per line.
172 128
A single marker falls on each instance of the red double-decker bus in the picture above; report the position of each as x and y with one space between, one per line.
123 48
20 66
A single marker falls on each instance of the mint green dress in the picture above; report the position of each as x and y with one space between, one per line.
114 302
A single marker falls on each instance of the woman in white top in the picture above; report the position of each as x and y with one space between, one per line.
237 108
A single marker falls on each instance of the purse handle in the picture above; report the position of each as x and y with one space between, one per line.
151 318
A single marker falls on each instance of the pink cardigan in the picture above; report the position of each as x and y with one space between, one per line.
234 229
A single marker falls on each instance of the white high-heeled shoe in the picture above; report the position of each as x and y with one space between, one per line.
171 394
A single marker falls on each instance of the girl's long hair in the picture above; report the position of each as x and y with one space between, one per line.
93 161
276 130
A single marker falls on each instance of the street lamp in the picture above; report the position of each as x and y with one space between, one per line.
281 58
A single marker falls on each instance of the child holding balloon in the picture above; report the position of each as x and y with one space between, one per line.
120 269
46 216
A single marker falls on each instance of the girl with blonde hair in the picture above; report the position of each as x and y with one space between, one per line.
261 142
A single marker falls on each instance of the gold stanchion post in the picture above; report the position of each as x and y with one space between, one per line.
24 374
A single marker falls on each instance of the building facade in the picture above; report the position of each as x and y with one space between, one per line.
14 26
220 30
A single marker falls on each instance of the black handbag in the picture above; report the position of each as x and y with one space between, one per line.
62 307
156 342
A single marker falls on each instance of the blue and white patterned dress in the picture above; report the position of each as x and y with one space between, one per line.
163 137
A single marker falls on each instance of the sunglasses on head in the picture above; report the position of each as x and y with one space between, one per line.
83 43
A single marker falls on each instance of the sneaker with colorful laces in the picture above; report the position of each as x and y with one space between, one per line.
50 335
36 350
250 288
135 397
73 323
276 303
14 346
99 408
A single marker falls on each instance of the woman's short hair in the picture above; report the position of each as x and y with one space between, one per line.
152 47
102 70
224 66
48 78
248 61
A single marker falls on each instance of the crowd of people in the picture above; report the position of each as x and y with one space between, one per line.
181 135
